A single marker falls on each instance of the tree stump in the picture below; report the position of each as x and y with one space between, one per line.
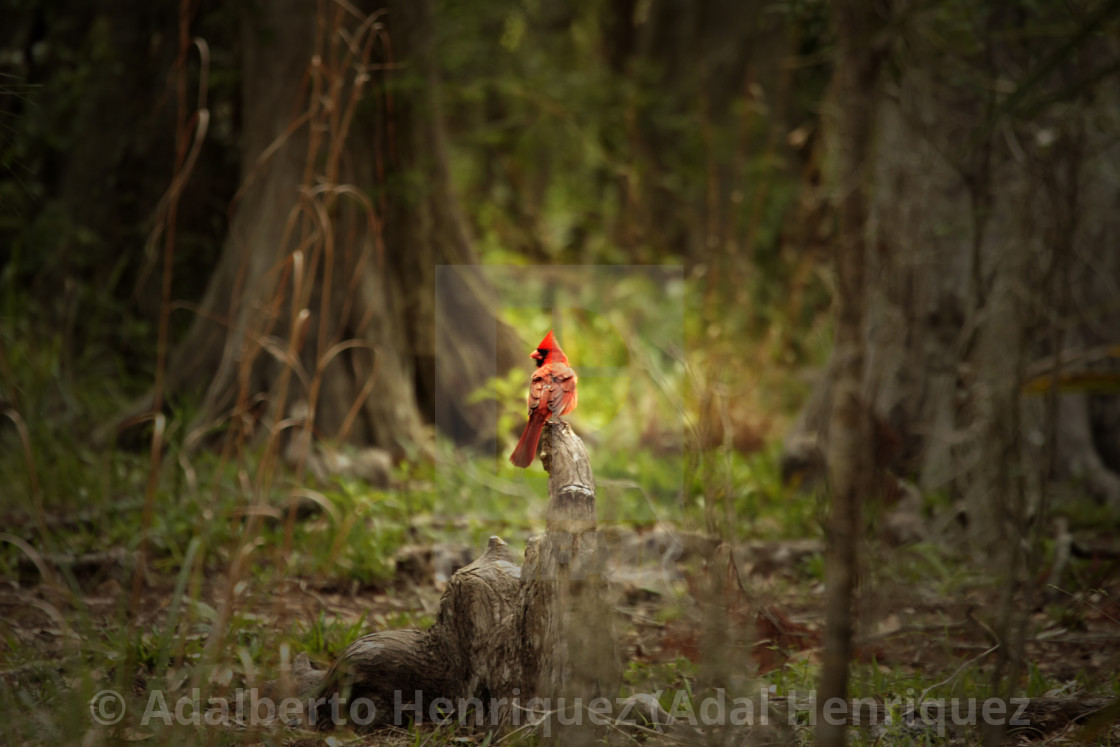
510 646
570 656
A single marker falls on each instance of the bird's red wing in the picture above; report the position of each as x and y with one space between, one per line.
536 389
562 399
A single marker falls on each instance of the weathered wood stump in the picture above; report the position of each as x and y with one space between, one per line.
570 655
510 646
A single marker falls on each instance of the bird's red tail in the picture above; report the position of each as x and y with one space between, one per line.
526 448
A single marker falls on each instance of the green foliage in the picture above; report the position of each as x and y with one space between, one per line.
326 637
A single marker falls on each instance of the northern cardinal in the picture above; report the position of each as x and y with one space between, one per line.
552 392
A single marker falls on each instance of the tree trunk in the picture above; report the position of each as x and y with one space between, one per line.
566 619
849 456
321 310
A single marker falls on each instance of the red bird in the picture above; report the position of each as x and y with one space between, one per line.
552 392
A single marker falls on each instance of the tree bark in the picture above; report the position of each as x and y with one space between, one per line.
566 619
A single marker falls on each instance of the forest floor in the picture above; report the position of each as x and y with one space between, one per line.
926 636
